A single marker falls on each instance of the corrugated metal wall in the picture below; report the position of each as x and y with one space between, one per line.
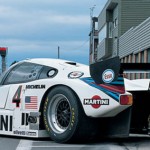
133 12
135 40
101 49
101 20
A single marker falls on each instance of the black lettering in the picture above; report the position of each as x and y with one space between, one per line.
17 101
42 86
27 86
19 132
4 123
35 86
10 123
24 119
27 115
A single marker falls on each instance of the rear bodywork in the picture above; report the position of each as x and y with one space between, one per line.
138 114
139 88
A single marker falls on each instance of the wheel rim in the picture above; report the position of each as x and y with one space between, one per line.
59 113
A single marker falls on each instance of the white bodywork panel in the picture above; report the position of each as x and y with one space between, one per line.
4 90
14 116
137 85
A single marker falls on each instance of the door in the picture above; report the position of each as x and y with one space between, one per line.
4 91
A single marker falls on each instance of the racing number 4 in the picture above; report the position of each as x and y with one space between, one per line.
17 97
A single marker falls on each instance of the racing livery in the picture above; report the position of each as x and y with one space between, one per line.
59 99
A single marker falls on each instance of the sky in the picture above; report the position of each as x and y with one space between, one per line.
35 28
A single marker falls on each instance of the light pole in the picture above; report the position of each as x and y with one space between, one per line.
91 15
58 52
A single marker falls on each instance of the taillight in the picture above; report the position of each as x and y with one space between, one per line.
126 99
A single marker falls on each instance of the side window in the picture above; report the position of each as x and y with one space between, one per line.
24 72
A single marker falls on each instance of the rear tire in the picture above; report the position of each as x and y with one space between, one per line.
64 117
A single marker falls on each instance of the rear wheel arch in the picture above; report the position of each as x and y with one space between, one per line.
80 127
45 96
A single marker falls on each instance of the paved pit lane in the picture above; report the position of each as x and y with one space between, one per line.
135 142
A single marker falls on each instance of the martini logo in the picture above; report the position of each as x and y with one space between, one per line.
108 76
96 101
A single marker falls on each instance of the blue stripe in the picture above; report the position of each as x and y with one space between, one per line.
117 83
120 78
114 95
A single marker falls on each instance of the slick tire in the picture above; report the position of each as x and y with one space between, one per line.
64 117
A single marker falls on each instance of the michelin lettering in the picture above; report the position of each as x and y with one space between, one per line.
35 86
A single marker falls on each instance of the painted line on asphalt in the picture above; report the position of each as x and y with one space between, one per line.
58 147
77 146
24 145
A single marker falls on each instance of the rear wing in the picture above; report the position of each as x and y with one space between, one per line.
109 70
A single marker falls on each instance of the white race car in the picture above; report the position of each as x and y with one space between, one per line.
59 99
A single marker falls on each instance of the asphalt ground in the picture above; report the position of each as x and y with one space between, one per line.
134 142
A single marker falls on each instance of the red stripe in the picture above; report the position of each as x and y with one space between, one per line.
32 106
119 89
31 102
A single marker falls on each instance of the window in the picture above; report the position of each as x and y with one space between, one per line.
24 72
102 33
115 22
110 29
96 25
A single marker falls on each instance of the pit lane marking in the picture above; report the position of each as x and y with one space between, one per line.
24 145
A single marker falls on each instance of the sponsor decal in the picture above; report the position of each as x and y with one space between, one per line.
45 115
35 86
17 97
31 102
72 118
108 76
51 73
19 132
96 101
31 133
28 133
75 74
6 122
